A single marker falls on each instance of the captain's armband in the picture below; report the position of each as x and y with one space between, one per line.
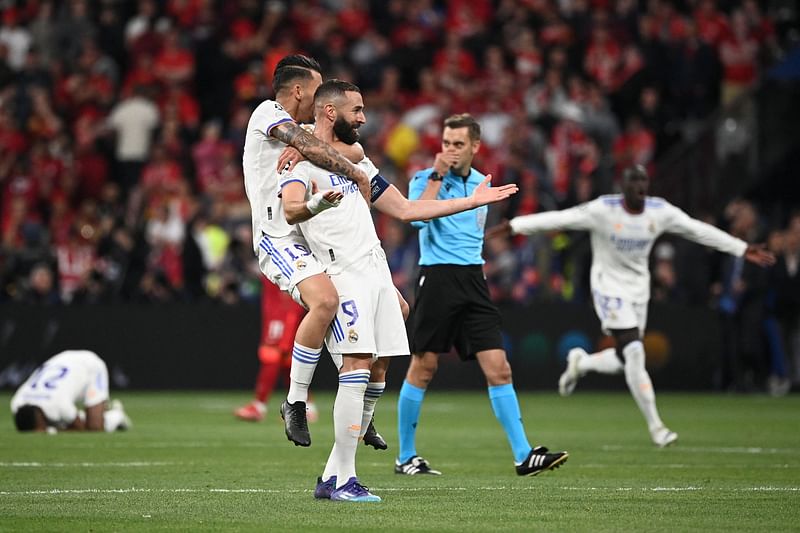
377 186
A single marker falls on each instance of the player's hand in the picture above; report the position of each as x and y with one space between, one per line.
320 202
289 158
333 197
443 162
758 254
362 180
503 229
483 194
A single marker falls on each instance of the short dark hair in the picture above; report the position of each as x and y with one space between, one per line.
464 120
291 68
334 89
27 417
633 171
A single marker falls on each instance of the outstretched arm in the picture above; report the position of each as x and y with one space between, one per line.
695 230
393 203
321 154
759 255
576 218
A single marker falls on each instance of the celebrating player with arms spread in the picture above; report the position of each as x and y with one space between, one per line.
623 228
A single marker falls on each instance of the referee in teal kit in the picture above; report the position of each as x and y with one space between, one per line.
452 305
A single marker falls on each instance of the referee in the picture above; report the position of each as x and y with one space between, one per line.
453 307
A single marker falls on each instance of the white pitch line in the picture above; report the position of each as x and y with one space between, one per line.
390 489
678 466
35 464
707 449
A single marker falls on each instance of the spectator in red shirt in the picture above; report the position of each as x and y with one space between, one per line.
635 146
174 63
739 54
712 25
454 59
603 57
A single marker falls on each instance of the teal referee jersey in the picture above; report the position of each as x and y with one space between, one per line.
455 239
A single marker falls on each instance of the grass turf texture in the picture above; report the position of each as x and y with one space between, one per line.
189 465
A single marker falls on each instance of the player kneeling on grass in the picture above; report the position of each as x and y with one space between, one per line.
49 398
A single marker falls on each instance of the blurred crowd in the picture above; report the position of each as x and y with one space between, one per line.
122 126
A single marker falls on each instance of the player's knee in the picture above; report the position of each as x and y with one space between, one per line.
325 305
498 374
378 370
623 338
423 368
634 356
269 355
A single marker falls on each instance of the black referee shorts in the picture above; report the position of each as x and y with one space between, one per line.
452 308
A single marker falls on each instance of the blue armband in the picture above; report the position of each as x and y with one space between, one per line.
377 186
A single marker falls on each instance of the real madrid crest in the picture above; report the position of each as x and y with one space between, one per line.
352 335
300 264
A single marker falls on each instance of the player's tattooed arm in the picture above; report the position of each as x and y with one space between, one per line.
321 154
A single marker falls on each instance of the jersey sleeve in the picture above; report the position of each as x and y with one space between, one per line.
273 114
300 173
368 167
678 222
417 185
574 218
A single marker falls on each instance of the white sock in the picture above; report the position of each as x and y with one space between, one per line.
371 397
605 362
639 383
304 362
348 409
112 419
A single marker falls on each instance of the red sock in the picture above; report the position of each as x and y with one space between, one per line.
268 373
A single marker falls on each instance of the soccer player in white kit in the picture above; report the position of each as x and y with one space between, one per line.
369 323
623 228
50 398
283 255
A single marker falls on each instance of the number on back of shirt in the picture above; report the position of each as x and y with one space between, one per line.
48 377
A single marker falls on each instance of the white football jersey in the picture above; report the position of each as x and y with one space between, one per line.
621 241
341 235
260 161
67 378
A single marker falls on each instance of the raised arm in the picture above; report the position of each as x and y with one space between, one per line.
695 230
393 203
574 218
321 154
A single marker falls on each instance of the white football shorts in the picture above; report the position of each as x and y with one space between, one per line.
369 319
619 313
286 261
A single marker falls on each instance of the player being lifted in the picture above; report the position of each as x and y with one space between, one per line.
623 228
283 255
369 324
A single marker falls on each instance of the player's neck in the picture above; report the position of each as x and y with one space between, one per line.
462 173
323 130
289 104
631 210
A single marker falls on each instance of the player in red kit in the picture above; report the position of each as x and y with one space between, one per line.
280 317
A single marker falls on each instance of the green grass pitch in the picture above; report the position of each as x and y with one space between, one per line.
188 465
